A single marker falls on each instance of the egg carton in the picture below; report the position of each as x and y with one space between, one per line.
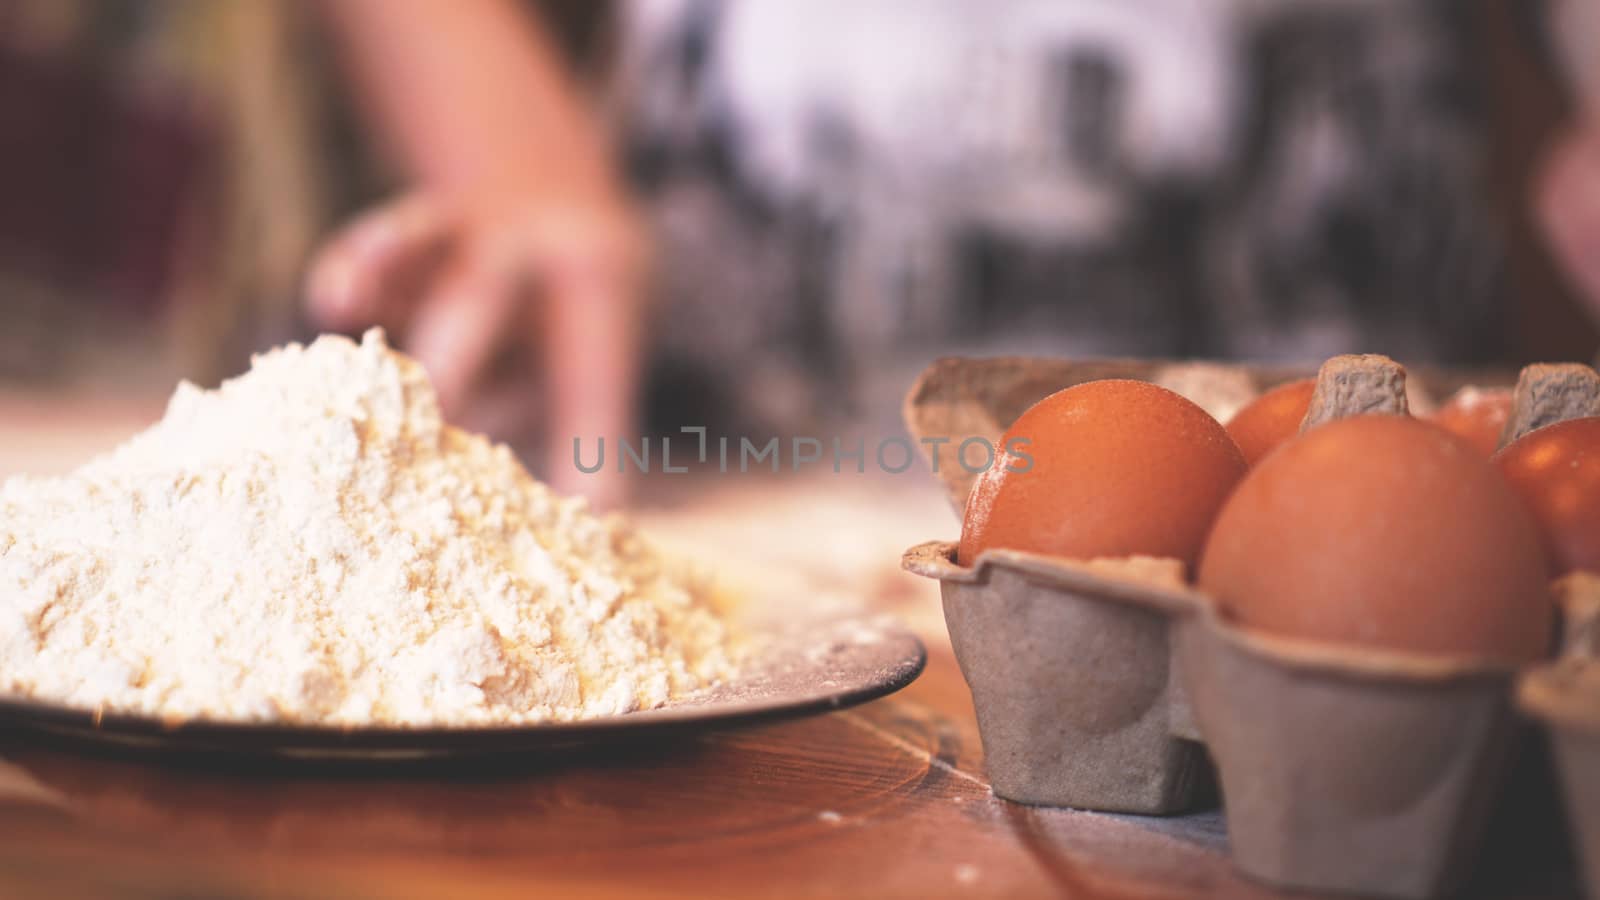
1562 695
1343 769
1069 670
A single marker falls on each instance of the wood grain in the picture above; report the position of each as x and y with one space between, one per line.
888 800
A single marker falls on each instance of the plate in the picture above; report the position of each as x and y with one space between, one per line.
815 667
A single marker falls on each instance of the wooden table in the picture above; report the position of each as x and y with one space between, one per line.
885 800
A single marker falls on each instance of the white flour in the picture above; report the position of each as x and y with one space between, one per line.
310 543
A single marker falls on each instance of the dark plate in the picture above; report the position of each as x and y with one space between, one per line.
813 669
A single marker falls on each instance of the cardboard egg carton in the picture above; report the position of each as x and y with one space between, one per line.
1070 677
1342 769
1565 696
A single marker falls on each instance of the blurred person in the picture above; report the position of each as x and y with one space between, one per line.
841 189
1267 181
1568 185
515 228
169 169
1569 207
836 191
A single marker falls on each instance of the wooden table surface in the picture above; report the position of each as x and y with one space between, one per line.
889 799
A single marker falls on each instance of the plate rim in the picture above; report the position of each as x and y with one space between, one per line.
23 715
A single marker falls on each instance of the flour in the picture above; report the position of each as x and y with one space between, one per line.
310 543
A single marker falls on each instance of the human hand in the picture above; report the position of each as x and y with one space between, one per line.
1567 205
459 280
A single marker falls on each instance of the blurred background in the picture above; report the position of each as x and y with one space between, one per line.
766 216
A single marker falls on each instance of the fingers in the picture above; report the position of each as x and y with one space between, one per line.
590 335
606 489
455 296
373 271
464 318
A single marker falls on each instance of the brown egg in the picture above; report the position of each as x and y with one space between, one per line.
1478 415
1271 418
1385 532
1112 468
1556 469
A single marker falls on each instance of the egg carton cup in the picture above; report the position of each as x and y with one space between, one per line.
1564 696
1578 597
1345 769
1069 670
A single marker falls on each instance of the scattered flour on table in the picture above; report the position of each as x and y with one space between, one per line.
311 543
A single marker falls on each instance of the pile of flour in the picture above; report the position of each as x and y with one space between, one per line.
310 543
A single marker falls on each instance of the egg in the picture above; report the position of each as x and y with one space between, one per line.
1383 532
1556 470
1271 418
1104 469
1478 415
